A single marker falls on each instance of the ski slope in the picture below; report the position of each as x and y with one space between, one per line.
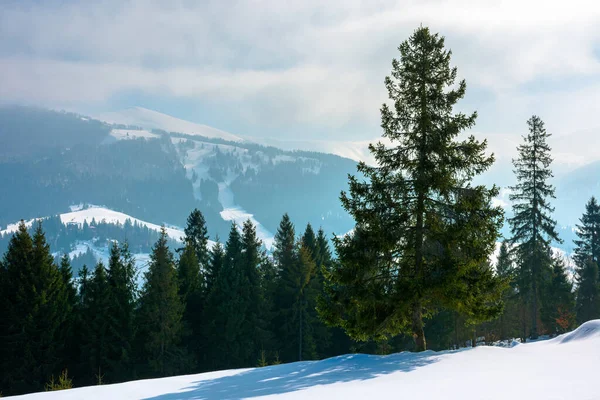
565 367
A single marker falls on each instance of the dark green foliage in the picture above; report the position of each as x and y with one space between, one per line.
34 309
588 232
588 293
217 255
94 293
226 308
532 227
120 334
423 232
507 326
196 235
558 305
159 316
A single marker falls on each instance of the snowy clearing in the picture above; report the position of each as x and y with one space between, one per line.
561 368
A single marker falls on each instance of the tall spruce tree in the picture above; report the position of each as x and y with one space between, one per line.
254 330
320 333
120 312
422 230
532 226
160 314
226 309
95 300
35 308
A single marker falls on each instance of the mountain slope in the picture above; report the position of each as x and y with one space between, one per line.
149 119
561 368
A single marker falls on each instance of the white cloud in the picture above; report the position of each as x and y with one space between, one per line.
301 62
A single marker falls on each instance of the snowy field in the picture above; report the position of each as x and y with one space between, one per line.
562 368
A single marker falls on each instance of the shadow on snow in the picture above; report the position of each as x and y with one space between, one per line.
300 375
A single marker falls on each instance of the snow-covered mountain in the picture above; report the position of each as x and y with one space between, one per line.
561 368
149 119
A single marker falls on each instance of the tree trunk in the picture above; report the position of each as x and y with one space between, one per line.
417 327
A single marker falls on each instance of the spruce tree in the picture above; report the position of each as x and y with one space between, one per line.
120 313
160 313
588 293
422 229
36 307
226 309
320 333
254 331
68 332
532 227
217 255
588 244
196 234
95 301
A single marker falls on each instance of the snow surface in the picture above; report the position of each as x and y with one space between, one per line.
149 119
125 134
562 368
79 214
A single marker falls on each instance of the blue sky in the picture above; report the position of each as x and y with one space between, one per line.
288 69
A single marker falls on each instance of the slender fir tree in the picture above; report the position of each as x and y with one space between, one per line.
217 255
95 298
120 312
588 232
532 226
226 309
196 234
160 314
422 230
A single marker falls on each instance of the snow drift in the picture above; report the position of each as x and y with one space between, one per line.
562 368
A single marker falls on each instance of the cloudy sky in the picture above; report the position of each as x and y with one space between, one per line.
314 68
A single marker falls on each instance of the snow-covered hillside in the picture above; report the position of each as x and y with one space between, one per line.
561 368
79 214
149 119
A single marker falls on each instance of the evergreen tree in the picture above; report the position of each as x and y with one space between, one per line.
254 331
558 305
320 333
160 313
35 308
196 235
70 353
217 255
120 313
192 297
588 245
95 302
226 309
532 227
588 293
422 230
